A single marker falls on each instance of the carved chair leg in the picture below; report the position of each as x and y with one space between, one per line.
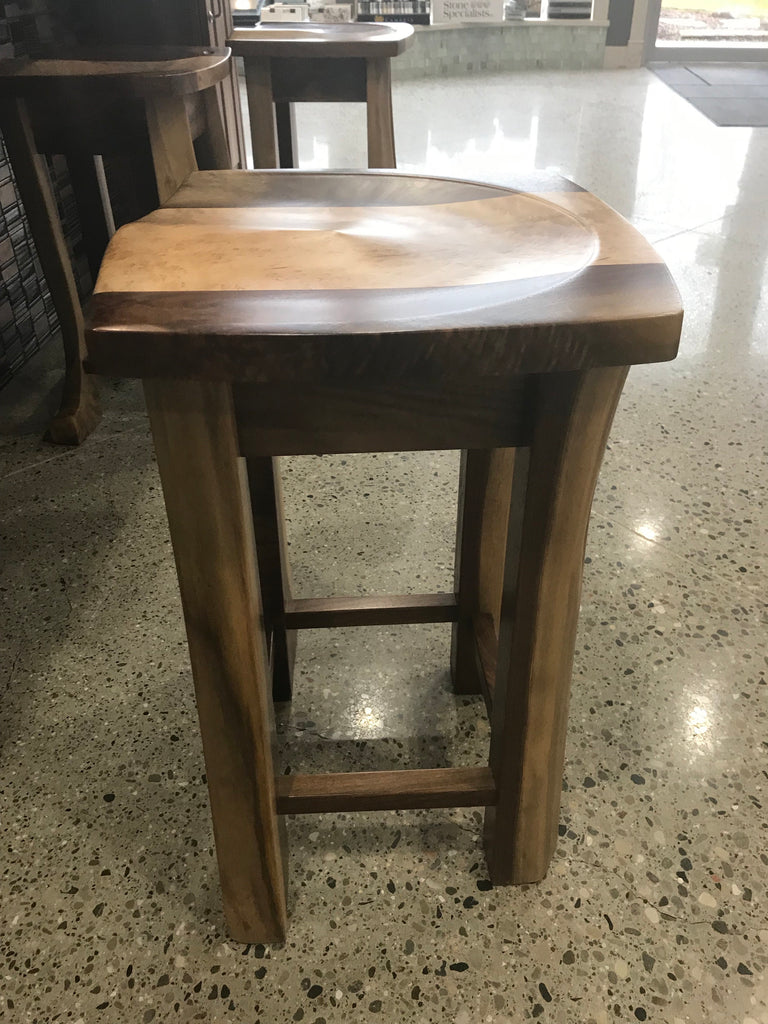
79 410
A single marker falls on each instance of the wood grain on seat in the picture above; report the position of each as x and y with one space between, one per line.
327 276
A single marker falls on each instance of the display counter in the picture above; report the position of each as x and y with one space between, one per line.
457 49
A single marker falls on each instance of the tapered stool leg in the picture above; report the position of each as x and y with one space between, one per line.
273 140
274 573
215 148
381 128
539 612
485 485
285 123
206 499
96 228
261 112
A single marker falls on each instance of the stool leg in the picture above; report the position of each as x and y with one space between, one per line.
215 145
267 508
285 121
170 140
206 500
485 485
272 131
381 127
261 112
94 225
556 477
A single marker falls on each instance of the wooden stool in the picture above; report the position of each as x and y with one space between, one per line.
512 338
300 63
310 63
88 103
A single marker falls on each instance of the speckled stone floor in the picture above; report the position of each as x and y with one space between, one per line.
655 906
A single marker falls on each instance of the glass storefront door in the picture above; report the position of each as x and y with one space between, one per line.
700 30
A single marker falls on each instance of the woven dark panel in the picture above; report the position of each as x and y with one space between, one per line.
27 317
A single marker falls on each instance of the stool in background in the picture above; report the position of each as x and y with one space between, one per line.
305 63
83 104
404 313
309 63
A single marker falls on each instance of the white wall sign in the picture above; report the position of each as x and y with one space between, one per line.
467 10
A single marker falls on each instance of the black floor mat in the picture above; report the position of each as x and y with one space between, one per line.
731 95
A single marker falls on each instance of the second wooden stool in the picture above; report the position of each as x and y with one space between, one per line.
309 63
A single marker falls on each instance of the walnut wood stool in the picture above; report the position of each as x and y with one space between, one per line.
310 63
84 103
512 338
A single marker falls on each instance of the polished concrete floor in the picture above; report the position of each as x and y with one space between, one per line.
655 908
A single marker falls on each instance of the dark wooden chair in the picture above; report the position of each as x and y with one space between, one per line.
407 313
311 63
86 103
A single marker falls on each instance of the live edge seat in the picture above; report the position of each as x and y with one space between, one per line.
280 313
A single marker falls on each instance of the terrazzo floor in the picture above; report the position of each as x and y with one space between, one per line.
655 908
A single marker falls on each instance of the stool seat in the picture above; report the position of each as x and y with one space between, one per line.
129 71
308 40
443 274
